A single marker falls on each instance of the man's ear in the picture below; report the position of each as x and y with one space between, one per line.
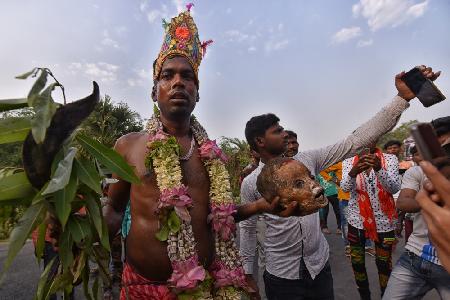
154 92
259 141
198 97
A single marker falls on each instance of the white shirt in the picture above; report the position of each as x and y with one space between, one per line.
419 242
288 240
389 178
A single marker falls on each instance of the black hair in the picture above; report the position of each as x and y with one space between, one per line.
441 125
291 134
413 150
257 126
392 143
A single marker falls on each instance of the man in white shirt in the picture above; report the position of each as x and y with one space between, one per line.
419 269
296 251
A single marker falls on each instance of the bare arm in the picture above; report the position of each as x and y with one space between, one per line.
118 197
407 201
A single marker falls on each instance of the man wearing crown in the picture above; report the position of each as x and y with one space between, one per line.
179 222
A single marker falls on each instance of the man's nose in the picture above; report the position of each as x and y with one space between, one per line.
177 81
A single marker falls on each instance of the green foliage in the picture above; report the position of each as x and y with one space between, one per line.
110 121
14 129
15 186
238 152
11 152
108 157
400 133
74 183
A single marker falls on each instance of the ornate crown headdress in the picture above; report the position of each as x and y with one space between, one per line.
181 39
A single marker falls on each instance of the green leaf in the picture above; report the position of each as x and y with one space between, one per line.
79 266
95 288
94 213
32 217
14 129
10 104
15 186
62 174
109 158
44 283
87 173
65 249
59 282
104 239
26 75
44 109
85 279
37 87
40 244
63 199
79 228
163 233
174 222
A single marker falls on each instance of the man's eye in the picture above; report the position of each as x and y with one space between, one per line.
299 183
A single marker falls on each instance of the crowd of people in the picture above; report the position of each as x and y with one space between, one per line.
178 227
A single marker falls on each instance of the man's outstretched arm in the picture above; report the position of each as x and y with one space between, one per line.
367 133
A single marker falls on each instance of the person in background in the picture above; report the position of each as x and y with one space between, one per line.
292 144
371 178
434 200
331 192
334 174
419 269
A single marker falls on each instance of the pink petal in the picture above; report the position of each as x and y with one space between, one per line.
183 213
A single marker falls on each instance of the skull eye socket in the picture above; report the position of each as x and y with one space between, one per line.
298 183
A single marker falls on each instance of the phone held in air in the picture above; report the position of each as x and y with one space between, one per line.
427 142
424 89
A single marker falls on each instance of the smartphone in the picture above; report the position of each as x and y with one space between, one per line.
365 151
426 141
424 89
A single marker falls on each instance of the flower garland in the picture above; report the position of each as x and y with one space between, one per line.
189 279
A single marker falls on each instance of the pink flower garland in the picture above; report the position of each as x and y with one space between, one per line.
210 150
222 219
187 273
228 277
177 198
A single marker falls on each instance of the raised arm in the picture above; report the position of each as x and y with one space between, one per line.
118 196
367 133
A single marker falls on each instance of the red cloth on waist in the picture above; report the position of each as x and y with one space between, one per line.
135 286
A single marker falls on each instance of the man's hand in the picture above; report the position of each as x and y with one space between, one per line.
374 162
254 294
274 207
360 166
404 91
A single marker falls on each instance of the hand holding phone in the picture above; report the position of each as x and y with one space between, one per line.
424 89
427 142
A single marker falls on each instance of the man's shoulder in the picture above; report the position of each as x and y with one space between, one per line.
415 171
129 140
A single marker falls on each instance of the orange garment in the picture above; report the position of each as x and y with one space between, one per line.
337 170
365 207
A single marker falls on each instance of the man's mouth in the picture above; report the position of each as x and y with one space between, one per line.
177 96
321 199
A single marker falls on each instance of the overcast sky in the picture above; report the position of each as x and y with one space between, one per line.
323 67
